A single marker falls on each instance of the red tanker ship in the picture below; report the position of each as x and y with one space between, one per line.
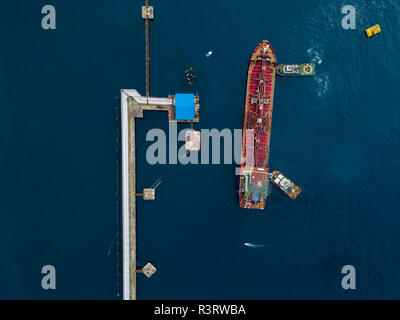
253 186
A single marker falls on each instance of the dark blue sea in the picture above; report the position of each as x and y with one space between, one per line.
336 135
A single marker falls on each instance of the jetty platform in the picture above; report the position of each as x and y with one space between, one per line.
184 107
133 106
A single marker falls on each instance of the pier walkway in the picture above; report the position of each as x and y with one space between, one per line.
132 106
148 103
128 203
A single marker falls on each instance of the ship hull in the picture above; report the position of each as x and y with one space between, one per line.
253 184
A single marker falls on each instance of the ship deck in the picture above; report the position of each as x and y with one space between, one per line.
259 106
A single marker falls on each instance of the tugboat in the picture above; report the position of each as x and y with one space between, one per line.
303 69
283 183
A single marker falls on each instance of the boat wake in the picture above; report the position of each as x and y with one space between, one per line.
254 246
315 55
322 80
322 84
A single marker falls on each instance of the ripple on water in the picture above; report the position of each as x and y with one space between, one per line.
316 55
322 84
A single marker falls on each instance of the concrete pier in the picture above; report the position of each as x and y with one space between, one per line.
132 106
128 203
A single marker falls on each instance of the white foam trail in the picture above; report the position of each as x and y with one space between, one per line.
255 246
315 55
322 80
322 84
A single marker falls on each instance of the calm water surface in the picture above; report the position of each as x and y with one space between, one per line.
336 135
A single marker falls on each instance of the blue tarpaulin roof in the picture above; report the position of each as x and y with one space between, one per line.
184 106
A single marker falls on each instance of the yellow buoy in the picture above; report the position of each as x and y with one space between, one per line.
370 32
